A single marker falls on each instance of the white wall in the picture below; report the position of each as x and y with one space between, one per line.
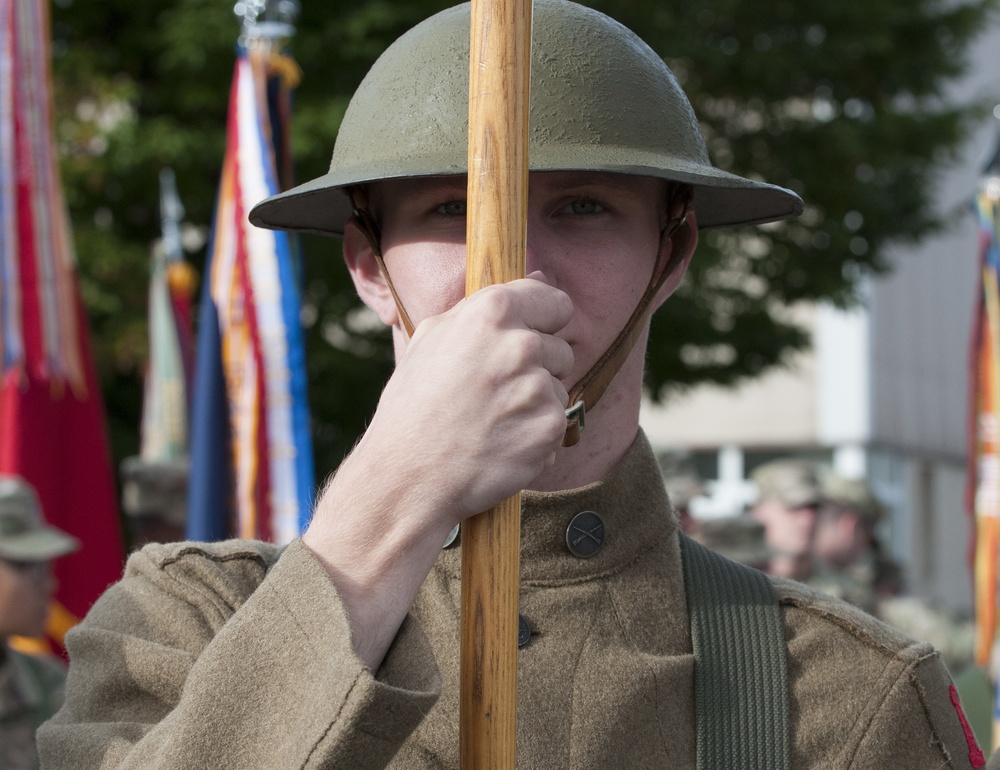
920 316
841 340
921 313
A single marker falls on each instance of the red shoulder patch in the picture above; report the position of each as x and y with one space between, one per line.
976 757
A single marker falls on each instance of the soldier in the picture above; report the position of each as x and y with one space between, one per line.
341 650
845 532
739 538
846 536
683 484
787 502
850 565
791 504
31 686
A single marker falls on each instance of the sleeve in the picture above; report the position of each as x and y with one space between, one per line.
920 724
171 669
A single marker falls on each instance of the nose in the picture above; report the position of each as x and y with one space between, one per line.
535 252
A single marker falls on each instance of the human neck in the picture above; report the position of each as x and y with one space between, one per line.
610 430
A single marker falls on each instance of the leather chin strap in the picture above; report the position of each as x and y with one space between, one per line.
586 393
369 227
589 389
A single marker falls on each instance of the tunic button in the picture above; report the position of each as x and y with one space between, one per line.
452 536
523 631
585 534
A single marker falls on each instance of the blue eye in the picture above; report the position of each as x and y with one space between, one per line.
452 209
584 206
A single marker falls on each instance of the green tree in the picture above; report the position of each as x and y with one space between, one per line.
843 103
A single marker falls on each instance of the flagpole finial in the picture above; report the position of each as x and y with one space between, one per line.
266 20
990 181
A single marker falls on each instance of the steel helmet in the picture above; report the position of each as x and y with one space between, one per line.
601 100
24 535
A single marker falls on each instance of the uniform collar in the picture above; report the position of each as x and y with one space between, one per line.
632 504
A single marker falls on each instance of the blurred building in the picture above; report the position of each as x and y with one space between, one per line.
883 394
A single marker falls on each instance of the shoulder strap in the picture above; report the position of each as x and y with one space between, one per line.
741 680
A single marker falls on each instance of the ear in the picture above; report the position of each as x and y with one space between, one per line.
367 275
684 237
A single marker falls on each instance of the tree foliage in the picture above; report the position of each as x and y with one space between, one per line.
845 103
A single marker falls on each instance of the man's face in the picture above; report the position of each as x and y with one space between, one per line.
593 235
25 591
841 537
789 531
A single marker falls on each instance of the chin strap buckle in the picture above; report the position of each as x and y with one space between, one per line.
576 417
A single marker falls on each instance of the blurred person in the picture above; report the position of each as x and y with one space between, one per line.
683 484
845 530
154 499
847 562
738 538
846 534
851 566
788 499
31 686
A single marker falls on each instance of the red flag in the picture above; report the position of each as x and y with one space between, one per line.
57 442
52 429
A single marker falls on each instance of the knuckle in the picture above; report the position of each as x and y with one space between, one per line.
529 348
563 304
538 389
493 305
553 427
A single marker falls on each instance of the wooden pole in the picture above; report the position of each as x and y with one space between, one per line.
499 62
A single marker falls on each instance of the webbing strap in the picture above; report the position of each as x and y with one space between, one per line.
740 675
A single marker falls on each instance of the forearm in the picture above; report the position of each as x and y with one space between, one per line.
377 535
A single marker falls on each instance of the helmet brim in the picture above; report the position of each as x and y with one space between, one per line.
39 545
721 199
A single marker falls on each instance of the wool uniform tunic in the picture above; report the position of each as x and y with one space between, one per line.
31 691
238 655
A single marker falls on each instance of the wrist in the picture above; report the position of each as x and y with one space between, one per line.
377 548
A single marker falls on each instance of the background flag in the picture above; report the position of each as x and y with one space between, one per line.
52 429
171 347
251 449
155 483
984 432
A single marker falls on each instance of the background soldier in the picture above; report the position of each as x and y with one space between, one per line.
787 503
846 535
683 485
31 687
739 538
